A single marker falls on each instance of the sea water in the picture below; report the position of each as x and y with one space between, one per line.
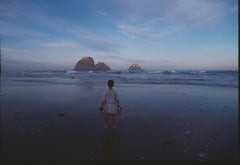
178 77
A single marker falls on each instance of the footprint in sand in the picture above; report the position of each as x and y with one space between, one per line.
17 113
202 156
187 133
227 108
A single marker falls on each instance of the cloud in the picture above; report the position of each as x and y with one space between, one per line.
156 19
84 38
11 29
199 12
11 9
146 32
28 14
92 40
195 10
132 30
66 43
17 19
13 64
22 11
101 13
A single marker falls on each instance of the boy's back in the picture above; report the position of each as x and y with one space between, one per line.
110 96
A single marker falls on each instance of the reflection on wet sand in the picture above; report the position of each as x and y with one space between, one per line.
86 85
111 145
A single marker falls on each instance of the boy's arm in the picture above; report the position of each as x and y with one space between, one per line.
117 99
118 103
103 101
102 104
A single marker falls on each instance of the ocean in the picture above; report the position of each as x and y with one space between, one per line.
172 77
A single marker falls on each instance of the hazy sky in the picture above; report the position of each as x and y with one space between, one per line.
157 34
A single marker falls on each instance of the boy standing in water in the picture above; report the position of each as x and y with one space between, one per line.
110 103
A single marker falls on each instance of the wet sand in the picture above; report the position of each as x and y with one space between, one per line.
158 122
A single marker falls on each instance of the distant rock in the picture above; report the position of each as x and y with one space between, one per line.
135 67
101 66
85 64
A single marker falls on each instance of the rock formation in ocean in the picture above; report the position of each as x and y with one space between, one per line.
101 66
87 64
135 67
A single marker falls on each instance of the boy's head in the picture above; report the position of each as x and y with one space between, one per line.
110 83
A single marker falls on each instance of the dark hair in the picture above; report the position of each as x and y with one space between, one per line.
110 83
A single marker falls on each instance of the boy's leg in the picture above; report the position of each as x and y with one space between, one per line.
106 120
114 120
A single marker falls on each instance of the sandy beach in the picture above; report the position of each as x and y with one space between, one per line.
158 122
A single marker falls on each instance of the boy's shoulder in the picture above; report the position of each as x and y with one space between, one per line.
114 90
110 91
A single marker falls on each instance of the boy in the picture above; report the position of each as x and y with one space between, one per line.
110 102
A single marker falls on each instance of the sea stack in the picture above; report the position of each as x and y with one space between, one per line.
135 67
101 67
87 64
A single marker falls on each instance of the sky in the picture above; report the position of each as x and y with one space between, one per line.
156 34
